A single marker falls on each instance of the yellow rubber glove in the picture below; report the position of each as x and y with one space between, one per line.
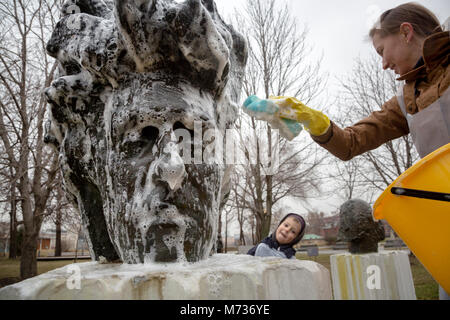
315 122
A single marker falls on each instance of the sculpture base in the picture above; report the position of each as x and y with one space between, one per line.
373 276
221 277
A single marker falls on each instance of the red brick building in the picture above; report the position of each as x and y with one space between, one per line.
330 227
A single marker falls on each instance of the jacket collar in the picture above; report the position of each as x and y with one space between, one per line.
436 50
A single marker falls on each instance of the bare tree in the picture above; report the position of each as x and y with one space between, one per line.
8 182
315 222
347 179
278 65
61 213
242 213
24 71
276 218
364 91
228 218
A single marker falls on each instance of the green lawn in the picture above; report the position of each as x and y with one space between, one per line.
10 269
426 287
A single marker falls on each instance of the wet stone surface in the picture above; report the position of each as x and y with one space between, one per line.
132 76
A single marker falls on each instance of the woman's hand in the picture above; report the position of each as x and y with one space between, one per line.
267 110
315 122
287 109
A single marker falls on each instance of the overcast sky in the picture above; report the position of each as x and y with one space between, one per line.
338 29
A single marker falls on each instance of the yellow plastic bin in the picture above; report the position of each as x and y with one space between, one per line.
422 219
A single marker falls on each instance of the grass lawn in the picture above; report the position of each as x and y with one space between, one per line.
426 287
10 269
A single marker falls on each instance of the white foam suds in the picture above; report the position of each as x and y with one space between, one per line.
171 166
102 52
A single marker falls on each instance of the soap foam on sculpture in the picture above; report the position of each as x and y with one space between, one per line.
129 75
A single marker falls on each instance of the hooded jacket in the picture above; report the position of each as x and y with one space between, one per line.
287 249
423 86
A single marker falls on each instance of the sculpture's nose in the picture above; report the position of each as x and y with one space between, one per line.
171 166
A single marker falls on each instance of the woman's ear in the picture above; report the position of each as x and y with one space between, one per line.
407 31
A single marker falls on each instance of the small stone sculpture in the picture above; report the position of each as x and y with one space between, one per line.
136 77
357 226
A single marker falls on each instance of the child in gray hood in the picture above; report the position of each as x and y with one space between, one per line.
289 232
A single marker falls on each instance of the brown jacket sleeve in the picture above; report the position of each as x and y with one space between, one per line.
368 134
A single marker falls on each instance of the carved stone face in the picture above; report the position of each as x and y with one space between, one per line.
166 207
135 80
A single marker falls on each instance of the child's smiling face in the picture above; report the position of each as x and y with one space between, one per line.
288 230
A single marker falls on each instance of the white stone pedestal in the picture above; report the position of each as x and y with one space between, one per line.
223 276
373 276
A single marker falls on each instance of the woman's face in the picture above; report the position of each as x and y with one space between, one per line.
288 230
397 54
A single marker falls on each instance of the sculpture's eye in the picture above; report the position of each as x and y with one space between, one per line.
136 145
71 68
178 125
178 128
150 134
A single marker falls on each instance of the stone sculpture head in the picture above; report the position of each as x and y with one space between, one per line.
136 79
357 226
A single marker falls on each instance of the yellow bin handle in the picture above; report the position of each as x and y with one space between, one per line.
439 196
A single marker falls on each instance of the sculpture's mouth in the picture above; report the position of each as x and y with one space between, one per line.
169 197
165 241
163 227
160 198
167 214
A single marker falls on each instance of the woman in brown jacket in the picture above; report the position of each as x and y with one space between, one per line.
411 42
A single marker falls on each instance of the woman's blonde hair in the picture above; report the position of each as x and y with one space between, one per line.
423 20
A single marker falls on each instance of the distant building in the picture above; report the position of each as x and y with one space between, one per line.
312 239
233 242
230 243
331 227
389 233
46 241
